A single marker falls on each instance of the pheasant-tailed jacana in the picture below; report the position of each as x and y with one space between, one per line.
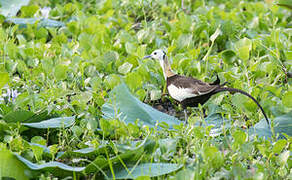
188 91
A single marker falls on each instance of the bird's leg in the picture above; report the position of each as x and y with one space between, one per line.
186 115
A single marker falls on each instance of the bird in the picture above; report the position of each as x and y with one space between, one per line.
190 92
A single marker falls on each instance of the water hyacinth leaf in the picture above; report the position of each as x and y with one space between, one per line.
282 125
50 166
11 167
131 109
81 152
285 3
11 7
41 22
52 123
287 99
145 169
129 153
243 47
125 68
61 71
218 122
228 56
130 48
4 78
18 116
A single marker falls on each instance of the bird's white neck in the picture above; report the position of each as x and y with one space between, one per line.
167 72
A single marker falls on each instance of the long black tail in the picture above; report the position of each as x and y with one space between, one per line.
244 93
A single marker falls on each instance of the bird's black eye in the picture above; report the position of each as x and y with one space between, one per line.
155 53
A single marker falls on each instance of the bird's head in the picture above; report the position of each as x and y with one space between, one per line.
158 54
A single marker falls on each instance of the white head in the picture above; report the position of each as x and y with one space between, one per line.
157 54
160 55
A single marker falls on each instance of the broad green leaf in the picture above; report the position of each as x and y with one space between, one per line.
11 167
11 7
18 116
52 123
125 68
243 47
212 156
285 3
243 52
50 166
85 152
61 71
184 40
128 153
41 22
287 99
218 122
279 146
282 124
145 169
239 137
130 109
29 11
130 48
110 56
4 78
228 56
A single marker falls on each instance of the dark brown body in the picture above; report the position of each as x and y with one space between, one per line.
204 91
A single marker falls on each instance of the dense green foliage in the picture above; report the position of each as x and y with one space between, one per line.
67 65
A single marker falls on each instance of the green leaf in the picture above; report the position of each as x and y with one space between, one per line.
228 56
184 40
283 125
41 22
29 11
145 169
125 68
4 78
61 71
11 167
50 166
243 53
131 109
52 123
279 146
130 48
128 153
243 47
18 116
218 122
285 3
287 99
239 137
11 7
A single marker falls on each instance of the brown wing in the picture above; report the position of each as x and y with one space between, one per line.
198 87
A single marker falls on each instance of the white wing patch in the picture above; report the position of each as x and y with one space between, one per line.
179 93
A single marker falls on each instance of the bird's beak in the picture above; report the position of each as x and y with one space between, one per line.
146 57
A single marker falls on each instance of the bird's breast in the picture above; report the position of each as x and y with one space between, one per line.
180 93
